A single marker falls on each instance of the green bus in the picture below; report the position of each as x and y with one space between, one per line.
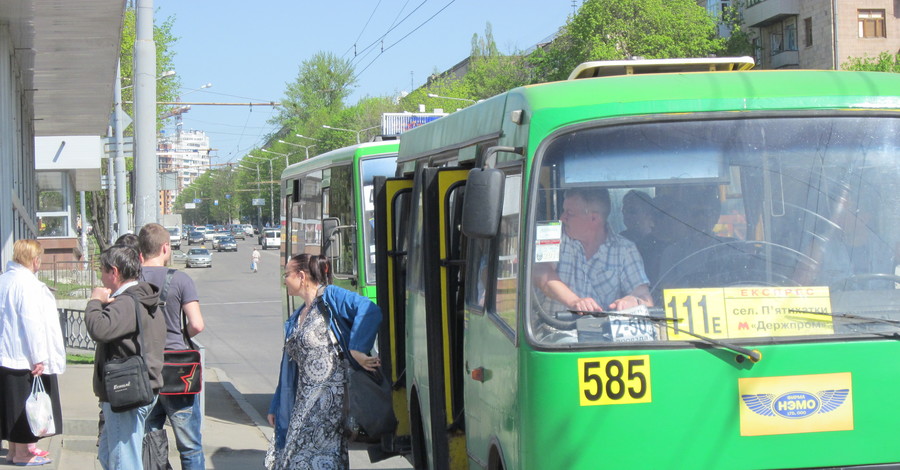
328 207
763 209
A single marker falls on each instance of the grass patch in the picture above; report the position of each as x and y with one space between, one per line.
79 358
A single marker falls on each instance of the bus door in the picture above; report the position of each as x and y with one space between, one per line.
442 260
391 199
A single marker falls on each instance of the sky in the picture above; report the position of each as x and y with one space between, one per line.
250 50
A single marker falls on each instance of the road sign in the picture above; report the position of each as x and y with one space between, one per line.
216 202
259 202
190 205
197 201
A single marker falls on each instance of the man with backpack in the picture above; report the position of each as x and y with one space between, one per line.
179 293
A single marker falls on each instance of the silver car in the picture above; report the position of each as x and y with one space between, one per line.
198 257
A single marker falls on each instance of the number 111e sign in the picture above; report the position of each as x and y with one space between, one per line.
748 312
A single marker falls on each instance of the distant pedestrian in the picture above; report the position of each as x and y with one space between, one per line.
254 260
110 321
31 348
183 410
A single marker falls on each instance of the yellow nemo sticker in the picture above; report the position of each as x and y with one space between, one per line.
796 404
614 380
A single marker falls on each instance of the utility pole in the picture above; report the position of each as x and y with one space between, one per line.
120 125
146 194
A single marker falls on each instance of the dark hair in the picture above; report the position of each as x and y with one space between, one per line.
130 240
125 259
317 266
152 237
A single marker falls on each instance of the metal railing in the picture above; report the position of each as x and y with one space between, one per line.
70 279
74 330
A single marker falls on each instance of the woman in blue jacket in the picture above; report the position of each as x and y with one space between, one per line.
307 410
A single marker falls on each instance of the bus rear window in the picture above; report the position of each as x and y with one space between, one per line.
739 229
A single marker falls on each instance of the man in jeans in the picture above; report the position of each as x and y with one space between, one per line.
183 410
110 320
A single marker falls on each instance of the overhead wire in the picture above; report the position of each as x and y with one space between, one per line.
385 49
381 38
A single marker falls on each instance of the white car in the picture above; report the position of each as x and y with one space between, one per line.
271 238
248 229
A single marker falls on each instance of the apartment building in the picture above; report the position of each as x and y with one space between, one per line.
183 157
821 34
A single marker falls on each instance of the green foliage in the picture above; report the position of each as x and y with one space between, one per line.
738 42
322 84
166 88
621 29
79 358
884 62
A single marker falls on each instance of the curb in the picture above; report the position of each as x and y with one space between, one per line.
261 424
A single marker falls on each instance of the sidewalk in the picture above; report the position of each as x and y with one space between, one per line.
231 440
235 436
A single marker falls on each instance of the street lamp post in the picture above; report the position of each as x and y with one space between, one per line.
305 147
432 95
350 130
258 209
271 189
286 162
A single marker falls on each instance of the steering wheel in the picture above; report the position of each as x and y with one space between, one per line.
842 284
747 253
547 317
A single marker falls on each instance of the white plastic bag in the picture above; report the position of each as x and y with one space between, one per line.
39 410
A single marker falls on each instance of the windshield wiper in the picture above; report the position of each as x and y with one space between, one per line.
849 316
752 354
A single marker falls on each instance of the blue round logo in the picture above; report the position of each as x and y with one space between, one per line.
796 405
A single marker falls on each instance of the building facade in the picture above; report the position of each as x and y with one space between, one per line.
183 157
821 34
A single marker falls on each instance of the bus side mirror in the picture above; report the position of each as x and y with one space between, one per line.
331 241
483 206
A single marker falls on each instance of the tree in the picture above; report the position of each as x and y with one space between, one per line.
323 83
884 62
622 29
167 90
491 72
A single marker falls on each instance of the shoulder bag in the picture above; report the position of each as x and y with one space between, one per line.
371 407
182 372
127 380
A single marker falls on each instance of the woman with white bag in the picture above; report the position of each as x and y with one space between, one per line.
31 349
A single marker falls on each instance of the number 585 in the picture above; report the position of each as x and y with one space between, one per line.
614 380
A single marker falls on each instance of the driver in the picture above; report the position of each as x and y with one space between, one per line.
597 270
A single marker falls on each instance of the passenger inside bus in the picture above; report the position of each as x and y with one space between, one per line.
598 270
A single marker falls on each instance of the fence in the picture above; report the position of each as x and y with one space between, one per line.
74 330
72 279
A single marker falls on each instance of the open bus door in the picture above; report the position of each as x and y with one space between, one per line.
434 321
392 206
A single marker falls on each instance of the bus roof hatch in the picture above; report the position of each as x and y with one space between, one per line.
608 68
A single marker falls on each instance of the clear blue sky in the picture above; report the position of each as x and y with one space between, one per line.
249 50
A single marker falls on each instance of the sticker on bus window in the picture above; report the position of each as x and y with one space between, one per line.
619 380
548 238
633 327
748 312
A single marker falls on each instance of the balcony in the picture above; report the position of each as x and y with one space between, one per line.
766 12
786 59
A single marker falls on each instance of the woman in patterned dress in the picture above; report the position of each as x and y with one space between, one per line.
307 410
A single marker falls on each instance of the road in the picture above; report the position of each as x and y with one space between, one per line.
243 334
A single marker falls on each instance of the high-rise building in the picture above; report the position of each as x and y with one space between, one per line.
820 34
183 157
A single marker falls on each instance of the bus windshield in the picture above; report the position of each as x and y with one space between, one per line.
382 166
751 229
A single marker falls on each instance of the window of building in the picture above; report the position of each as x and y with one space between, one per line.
871 24
776 40
807 32
790 35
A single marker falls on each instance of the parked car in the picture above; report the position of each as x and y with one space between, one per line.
271 238
238 232
195 237
227 244
198 257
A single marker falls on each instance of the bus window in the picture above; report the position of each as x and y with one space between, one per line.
370 168
306 216
756 222
338 203
506 282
